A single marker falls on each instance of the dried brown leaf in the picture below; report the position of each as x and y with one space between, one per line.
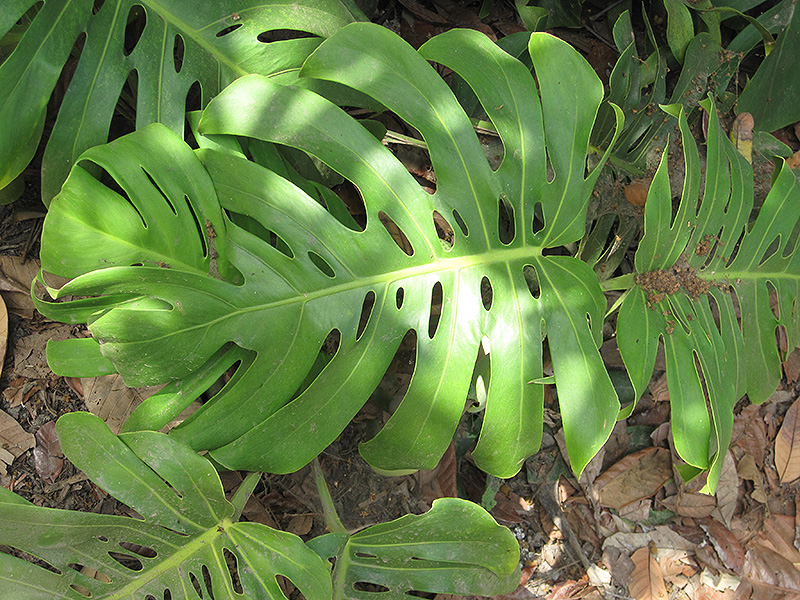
30 352
787 445
439 482
728 548
727 491
747 470
110 399
14 440
750 433
47 456
637 476
636 192
765 567
778 535
791 366
647 581
16 277
300 524
695 505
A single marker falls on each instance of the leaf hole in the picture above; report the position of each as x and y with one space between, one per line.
201 232
532 279
462 225
773 300
487 293
365 555
353 201
397 377
538 218
126 560
251 225
98 4
207 581
366 586
81 590
735 249
397 234
178 50
195 584
328 349
366 312
399 296
481 377
443 231
149 597
505 220
102 538
142 551
418 594
194 97
160 191
123 120
771 250
322 265
137 20
282 35
288 588
107 180
233 570
167 594
21 554
435 314
228 30
791 242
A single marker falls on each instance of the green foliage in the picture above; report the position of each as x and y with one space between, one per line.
719 329
149 53
191 543
184 323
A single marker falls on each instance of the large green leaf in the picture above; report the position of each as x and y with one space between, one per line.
167 45
315 276
707 278
183 545
425 553
190 545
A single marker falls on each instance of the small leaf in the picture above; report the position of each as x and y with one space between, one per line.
787 445
47 456
647 582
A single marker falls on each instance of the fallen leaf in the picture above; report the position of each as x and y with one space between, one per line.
637 476
14 440
727 491
778 535
300 524
30 352
636 192
750 433
16 277
647 581
662 536
765 567
747 470
111 400
787 445
47 456
791 366
440 481
694 505
728 548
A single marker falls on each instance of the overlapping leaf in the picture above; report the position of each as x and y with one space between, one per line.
182 544
714 288
189 545
166 47
304 275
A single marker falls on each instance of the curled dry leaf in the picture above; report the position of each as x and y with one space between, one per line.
47 456
764 567
637 476
750 433
728 548
647 581
636 192
14 440
747 470
787 445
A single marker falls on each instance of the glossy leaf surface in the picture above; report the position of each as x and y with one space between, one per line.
708 279
147 54
303 275
180 546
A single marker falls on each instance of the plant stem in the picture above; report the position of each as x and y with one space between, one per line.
243 493
332 520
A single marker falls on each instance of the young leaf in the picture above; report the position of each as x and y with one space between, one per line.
154 54
303 275
181 546
690 267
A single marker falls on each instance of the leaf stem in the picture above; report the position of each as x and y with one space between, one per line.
243 493
332 519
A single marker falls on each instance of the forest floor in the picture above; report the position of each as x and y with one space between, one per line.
629 528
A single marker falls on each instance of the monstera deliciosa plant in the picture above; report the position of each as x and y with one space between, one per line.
187 264
190 543
152 58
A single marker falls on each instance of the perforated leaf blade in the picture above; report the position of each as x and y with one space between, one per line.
706 281
425 553
159 48
304 275
182 544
